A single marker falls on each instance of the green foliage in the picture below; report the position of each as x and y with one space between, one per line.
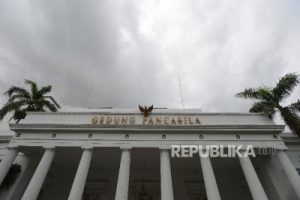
295 106
263 107
21 100
291 119
285 86
268 100
261 93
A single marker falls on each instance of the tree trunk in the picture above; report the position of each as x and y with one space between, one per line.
291 119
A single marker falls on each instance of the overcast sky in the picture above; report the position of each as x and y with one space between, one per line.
124 53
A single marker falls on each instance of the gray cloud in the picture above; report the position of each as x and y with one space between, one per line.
122 53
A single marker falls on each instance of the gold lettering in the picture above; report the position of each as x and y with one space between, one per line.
166 120
190 121
132 120
150 120
197 121
124 120
102 120
179 120
173 121
117 120
108 120
94 120
158 120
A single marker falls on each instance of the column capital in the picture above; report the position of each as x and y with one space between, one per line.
87 147
12 146
125 148
49 146
164 148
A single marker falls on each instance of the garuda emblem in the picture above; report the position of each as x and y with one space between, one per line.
146 110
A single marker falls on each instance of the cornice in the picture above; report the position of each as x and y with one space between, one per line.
155 112
274 129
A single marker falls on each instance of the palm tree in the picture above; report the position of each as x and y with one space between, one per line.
21 100
269 101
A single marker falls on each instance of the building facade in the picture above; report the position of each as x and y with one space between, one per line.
119 154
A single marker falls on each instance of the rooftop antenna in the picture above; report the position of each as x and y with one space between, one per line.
180 91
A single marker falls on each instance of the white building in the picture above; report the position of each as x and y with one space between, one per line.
119 154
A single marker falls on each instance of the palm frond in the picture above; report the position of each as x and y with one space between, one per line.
53 100
265 93
261 93
18 91
19 114
11 106
36 105
18 97
295 106
44 90
249 93
33 86
285 86
263 107
20 101
52 107
291 119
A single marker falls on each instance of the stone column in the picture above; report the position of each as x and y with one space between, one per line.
81 175
25 177
7 161
33 189
253 181
165 176
211 186
123 178
15 189
290 171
